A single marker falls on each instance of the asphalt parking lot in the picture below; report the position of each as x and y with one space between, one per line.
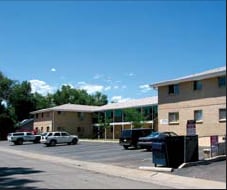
114 154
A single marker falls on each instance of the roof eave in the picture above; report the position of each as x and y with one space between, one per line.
192 78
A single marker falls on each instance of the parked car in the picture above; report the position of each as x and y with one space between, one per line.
129 137
19 137
58 137
146 142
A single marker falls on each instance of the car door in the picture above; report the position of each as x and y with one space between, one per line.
65 137
58 137
28 137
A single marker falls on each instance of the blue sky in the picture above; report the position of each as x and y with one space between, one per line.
115 47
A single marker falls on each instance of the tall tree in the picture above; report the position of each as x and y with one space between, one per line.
99 99
22 100
6 85
42 102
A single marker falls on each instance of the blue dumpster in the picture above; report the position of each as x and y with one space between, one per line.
159 155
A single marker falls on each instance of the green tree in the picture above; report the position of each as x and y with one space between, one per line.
67 94
134 116
42 102
6 125
6 85
22 100
104 123
7 114
99 99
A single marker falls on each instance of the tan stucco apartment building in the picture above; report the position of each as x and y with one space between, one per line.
83 120
200 97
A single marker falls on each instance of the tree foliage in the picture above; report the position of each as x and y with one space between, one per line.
67 94
17 100
134 116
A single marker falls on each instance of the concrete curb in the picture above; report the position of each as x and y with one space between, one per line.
99 140
204 161
157 169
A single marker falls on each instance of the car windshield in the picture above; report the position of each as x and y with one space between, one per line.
154 134
126 133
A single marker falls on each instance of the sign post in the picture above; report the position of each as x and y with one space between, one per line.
190 131
214 145
191 127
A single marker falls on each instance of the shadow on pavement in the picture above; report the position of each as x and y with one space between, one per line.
9 181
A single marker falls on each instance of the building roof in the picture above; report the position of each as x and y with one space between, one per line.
130 104
86 108
221 71
69 107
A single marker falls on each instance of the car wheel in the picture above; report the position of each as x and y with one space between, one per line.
74 141
36 141
125 147
52 143
20 141
148 149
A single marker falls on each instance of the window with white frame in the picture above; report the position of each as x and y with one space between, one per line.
222 114
173 117
174 89
197 85
198 115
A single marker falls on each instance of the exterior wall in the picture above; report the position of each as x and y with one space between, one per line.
74 123
210 99
43 121
71 122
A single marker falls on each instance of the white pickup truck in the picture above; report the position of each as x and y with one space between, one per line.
19 137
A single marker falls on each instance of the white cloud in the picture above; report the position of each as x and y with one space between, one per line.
41 87
90 88
116 87
145 88
119 99
97 76
107 88
53 70
131 74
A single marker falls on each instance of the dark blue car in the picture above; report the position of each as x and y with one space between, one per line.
146 142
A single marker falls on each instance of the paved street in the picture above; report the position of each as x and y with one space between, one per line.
17 172
111 154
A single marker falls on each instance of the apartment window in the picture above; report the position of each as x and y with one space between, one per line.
198 115
197 85
81 115
222 81
173 117
174 89
37 116
222 114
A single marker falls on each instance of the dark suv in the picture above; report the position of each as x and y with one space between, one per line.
129 137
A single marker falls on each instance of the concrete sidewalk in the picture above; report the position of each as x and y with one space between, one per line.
160 178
